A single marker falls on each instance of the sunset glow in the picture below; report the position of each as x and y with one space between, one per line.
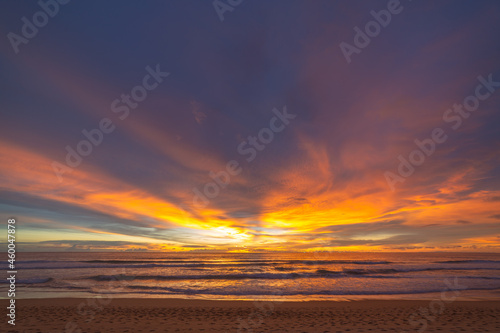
316 181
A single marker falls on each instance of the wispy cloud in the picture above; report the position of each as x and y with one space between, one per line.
319 185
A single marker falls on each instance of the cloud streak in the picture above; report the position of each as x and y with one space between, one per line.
318 185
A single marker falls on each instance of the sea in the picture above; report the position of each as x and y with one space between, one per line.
256 276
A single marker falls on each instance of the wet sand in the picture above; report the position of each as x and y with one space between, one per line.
177 315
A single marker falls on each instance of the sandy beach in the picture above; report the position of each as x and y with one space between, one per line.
178 315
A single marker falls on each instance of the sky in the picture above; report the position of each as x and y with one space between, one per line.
279 125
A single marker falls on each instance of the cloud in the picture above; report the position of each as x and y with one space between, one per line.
318 183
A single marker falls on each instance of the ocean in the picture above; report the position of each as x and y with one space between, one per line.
244 276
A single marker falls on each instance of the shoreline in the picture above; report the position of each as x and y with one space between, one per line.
461 295
175 302
69 315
